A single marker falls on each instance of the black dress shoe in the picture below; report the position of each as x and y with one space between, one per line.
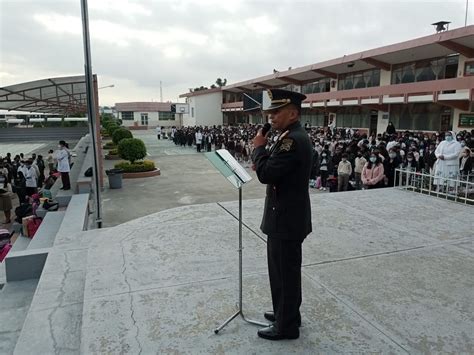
271 333
270 316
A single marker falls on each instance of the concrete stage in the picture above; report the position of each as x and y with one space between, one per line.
385 271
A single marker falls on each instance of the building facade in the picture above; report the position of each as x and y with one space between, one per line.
143 115
205 109
425 84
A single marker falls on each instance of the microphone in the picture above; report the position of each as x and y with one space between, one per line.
266 127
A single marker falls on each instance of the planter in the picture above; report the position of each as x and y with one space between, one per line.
111 157
143 174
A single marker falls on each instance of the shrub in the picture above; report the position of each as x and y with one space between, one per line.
113 152
111 128
132 149
110 145
120 134
136 167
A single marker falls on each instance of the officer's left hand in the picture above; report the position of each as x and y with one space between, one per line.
260 140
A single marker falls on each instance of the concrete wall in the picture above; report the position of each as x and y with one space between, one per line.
204 110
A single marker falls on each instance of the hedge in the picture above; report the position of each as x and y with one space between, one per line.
120 134
136 167
131 149
110 145
111 128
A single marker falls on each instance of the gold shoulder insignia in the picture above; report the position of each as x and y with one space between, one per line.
286 144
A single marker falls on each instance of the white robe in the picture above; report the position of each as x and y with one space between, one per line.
449 167
62 156
198 137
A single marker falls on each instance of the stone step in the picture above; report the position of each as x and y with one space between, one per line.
46 233
15 302
54 321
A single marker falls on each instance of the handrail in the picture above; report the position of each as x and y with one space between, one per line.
459 189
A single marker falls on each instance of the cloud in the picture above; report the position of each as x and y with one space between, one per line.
189 43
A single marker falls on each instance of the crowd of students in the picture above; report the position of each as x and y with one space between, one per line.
25 176
344 158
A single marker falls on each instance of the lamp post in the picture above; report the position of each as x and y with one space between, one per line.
107 86
467 7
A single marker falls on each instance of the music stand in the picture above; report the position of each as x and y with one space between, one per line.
226 164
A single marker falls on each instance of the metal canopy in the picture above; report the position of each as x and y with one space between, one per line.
63 95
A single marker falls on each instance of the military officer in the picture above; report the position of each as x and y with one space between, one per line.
285 169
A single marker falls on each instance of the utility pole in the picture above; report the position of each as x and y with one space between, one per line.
467 7
161 92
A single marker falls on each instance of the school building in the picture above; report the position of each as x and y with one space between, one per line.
143 115
424 84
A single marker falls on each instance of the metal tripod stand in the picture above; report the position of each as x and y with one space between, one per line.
240 309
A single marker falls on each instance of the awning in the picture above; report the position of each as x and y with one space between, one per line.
64 95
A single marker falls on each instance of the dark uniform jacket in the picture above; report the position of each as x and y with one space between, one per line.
286 170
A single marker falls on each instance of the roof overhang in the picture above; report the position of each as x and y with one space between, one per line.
63 95
442 44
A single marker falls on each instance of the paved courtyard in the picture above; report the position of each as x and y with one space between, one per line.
186 178
374 281
385 271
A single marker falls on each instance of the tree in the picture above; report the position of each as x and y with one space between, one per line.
120 134
131 149
221 82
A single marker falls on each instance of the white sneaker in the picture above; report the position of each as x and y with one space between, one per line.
324 189
321 188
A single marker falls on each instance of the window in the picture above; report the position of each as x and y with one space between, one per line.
192 111
313 118
359 80
166 116
144 119
322 85
426 70
419 116
127 116
469 68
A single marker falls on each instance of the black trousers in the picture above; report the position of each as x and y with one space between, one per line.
65 180
284 269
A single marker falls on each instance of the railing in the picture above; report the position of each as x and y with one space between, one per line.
458 189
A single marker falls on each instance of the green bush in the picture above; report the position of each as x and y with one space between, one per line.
111 128
132 149
110 145
136 167
120 134
113 152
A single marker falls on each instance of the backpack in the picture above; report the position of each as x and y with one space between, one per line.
32 226
4 251
23 210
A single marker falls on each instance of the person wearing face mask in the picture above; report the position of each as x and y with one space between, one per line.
410 162
344 171
465 162
324 167
31 178
430 159
447 163
360 161
62 157
373 172
393 162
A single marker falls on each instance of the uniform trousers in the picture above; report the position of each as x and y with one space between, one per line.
284 269
65 180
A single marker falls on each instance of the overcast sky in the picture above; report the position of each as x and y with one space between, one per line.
186 44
